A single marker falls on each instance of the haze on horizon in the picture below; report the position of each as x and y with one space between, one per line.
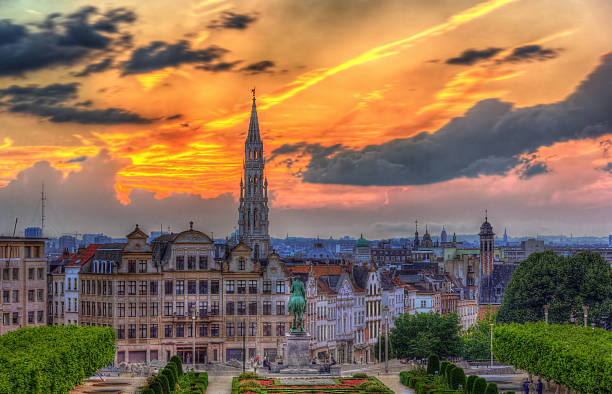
373 114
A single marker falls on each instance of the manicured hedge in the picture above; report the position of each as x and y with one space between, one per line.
470 384
251 383
480 386
578 357
433 364
53 359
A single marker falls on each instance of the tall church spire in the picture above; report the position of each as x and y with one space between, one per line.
253 211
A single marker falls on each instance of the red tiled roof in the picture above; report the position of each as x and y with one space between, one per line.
319 270
84 257
323 286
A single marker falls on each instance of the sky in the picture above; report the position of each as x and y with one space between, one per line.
374 114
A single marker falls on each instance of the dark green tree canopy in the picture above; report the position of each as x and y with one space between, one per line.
564 283
425 333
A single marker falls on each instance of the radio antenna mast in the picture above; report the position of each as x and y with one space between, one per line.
43 198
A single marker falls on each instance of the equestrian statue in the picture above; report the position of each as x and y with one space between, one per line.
297 303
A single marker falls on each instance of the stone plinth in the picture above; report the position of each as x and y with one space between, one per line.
298 350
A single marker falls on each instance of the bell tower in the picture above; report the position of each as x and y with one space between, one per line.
253 210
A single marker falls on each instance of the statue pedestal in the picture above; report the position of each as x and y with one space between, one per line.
298 350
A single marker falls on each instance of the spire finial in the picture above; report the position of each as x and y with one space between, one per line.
253 91
486 215
191 225
416 225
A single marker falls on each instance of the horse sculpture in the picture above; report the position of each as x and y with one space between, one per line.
297 303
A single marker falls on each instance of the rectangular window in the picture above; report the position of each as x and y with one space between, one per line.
143 288
241 329
180 287
121 288
280 329
180 308
167 308
132 266
189 331
241 264
143 309
30 273
39 316
6 319
242 307
5 274
191 263
180 263
280 287
131 330
168 331
121 309
191 308
110 309
6 296
214 330
153 287
153 331
15 317
191 287
203 330
267 307
203 287
180 331
15 273
15 295
168 287
229 308
229 329
203 307
229 287
267 287
242 287
214 287
104 288
143 331
142 266
132 309
121 332
280 307
154 308
252 329
39 294
31 295
31 317
214 308
203 262
253 308
267 329
252 287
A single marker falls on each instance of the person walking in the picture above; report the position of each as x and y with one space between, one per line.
526 386
531 386
540 386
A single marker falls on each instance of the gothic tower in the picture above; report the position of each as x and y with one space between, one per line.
253 211
486 247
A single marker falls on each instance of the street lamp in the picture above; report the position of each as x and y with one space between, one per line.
386 310
243 345
585 311
491 345
605 322
193 335
546 313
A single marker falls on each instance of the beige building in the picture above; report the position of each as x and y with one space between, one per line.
23 283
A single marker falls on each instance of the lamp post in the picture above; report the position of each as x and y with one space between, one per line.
243 345
386 310
605 322
491 345
193 335
546 313
585 311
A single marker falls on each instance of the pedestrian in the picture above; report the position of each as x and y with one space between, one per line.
526 386
531 386
540 386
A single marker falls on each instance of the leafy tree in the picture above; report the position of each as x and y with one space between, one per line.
425 333
382 340
457 378
477 339
565 284
470 383
433 364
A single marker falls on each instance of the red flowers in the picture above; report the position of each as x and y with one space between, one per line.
354 382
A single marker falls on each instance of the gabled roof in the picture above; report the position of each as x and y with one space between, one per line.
137 233
319 270
84 257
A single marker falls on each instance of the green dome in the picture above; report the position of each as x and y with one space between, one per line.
362 242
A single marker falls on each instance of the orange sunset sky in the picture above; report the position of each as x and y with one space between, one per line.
373 114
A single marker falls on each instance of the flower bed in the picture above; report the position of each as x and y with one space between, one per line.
250 384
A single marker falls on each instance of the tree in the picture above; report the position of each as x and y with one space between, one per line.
480 385
565 284
382 339
477 339
425 333
457 378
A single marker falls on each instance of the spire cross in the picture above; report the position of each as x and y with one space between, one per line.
486 215
416 225
253 91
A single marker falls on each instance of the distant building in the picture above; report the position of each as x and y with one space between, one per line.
68 242
362 252
487 245
33 232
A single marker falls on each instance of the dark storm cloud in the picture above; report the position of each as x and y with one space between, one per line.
263 66
103 65
61 40
315 150
532 168
52 102
608 167
233 20
531 53
471 56
489 139
173 117
159 54
77 159
220 66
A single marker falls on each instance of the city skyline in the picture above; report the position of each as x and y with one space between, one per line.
137 118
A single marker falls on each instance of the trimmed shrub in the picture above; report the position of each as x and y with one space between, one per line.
360 375
443 366
457 377
480 385
164 382
168 373
469 386
373 387
172 366
156 386
249 386
433 364
491 388
510 392
148 391
177 360
248 375
404 377
448 371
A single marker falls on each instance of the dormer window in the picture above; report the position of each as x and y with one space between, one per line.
241 264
